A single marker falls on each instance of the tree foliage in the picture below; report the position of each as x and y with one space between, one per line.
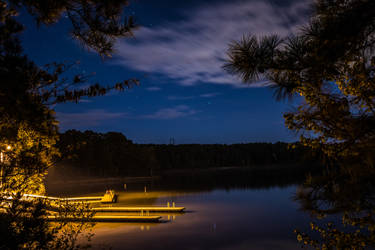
95 23
28 127
330 63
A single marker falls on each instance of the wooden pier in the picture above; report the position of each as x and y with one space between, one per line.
109 197
89 198
106 218
139 209
142 213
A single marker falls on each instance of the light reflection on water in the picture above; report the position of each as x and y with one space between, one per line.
218 219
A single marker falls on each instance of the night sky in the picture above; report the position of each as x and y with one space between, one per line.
177 54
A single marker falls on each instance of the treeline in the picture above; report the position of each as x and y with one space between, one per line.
112 154
98 154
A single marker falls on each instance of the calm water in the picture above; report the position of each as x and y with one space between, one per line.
216 219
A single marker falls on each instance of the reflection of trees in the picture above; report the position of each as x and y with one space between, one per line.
348 194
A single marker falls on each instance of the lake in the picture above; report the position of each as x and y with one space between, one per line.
214 219
239 209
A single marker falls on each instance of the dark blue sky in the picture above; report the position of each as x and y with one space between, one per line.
177 54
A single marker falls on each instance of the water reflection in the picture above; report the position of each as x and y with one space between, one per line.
219 219
224 211
194 181
245 210
342 203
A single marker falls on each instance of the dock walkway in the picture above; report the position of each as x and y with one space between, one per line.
106 218
110 197
89 198
139 209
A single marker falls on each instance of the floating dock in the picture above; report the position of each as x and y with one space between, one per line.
106 218
139 209
109 197
90 198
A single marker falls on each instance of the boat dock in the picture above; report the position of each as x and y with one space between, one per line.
139 209
142 212
109 197
89 198
106 218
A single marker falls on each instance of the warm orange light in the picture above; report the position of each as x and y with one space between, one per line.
9 147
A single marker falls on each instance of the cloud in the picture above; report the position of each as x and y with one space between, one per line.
209 95
93 118
190 97
85 101
171 113
179 98
86 119
193 50
153 89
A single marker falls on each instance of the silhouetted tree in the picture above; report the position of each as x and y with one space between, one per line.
330 63
28 128
95 23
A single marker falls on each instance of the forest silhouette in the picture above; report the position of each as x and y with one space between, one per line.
112 154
